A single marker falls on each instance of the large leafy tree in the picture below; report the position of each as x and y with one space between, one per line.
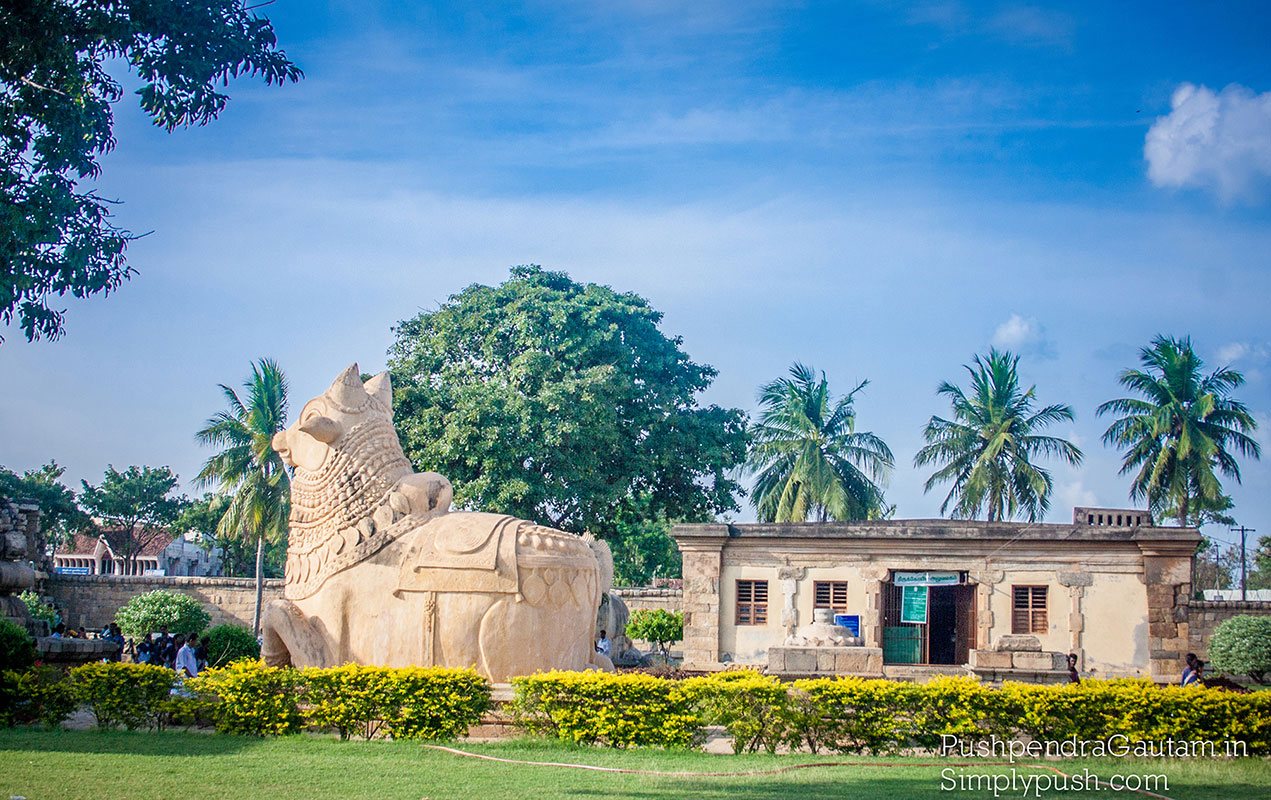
56 122
134 508
1180 432
563 403
247 470
809 457
988 448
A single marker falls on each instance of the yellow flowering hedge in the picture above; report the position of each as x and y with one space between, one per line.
756 710
407 703
619 710
248 697
132 695
852 715
352 700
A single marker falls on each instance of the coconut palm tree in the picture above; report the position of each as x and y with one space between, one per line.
809 458
247 469
1182 428
987 449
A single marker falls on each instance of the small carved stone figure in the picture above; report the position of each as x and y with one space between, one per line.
380 571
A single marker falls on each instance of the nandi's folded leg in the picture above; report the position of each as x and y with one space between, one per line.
288 638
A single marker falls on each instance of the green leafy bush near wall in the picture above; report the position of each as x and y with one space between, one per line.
1242 646
229 643
852 715
162 610
37 608
132 695
17 648
656 625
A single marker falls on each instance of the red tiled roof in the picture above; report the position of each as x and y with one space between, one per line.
85 544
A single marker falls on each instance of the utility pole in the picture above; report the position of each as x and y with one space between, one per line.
1243 570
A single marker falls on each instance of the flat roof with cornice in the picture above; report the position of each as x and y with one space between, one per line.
937 529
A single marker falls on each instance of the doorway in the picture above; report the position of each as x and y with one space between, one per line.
948 635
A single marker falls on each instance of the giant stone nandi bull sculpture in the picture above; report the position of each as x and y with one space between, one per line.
379 571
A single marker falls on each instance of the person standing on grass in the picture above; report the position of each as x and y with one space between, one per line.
187 664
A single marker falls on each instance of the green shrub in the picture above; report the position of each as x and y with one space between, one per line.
132 695
37 608
161 610
50 693
228 643
11 698
407 703
17 648
250 698
618 710
656 625
1242 645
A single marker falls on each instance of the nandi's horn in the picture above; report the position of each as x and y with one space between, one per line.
347 390
381 389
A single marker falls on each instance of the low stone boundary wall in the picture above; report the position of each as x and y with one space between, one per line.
1204 616
92 600
643 597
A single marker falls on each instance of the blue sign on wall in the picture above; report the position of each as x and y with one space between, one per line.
850 621
73 571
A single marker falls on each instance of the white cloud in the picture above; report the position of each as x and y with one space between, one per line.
1232 352
1022 335
1220 142
1030 25
1074 493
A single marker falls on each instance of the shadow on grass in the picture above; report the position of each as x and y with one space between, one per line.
140 743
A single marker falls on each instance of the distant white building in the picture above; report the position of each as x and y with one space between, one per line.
166 554
1233 595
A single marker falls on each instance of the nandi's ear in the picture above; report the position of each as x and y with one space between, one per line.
381 388
347 390
324 429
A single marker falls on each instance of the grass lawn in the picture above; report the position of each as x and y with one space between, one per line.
44 765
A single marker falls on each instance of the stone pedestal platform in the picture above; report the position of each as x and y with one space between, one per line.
861 662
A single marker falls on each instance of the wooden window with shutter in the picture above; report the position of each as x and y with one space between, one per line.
831 595
752 602
1028 609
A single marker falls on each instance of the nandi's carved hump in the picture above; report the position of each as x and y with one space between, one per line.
379 572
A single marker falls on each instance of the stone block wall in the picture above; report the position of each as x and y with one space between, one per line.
92 600
1204 616
645 597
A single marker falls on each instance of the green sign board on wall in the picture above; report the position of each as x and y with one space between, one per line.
913 604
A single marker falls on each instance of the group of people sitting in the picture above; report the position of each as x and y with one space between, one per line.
186 655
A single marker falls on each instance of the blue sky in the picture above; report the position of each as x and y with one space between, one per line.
878 189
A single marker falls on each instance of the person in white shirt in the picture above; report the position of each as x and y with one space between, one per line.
602 644
187 665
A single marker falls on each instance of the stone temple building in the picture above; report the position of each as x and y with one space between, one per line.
938 595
